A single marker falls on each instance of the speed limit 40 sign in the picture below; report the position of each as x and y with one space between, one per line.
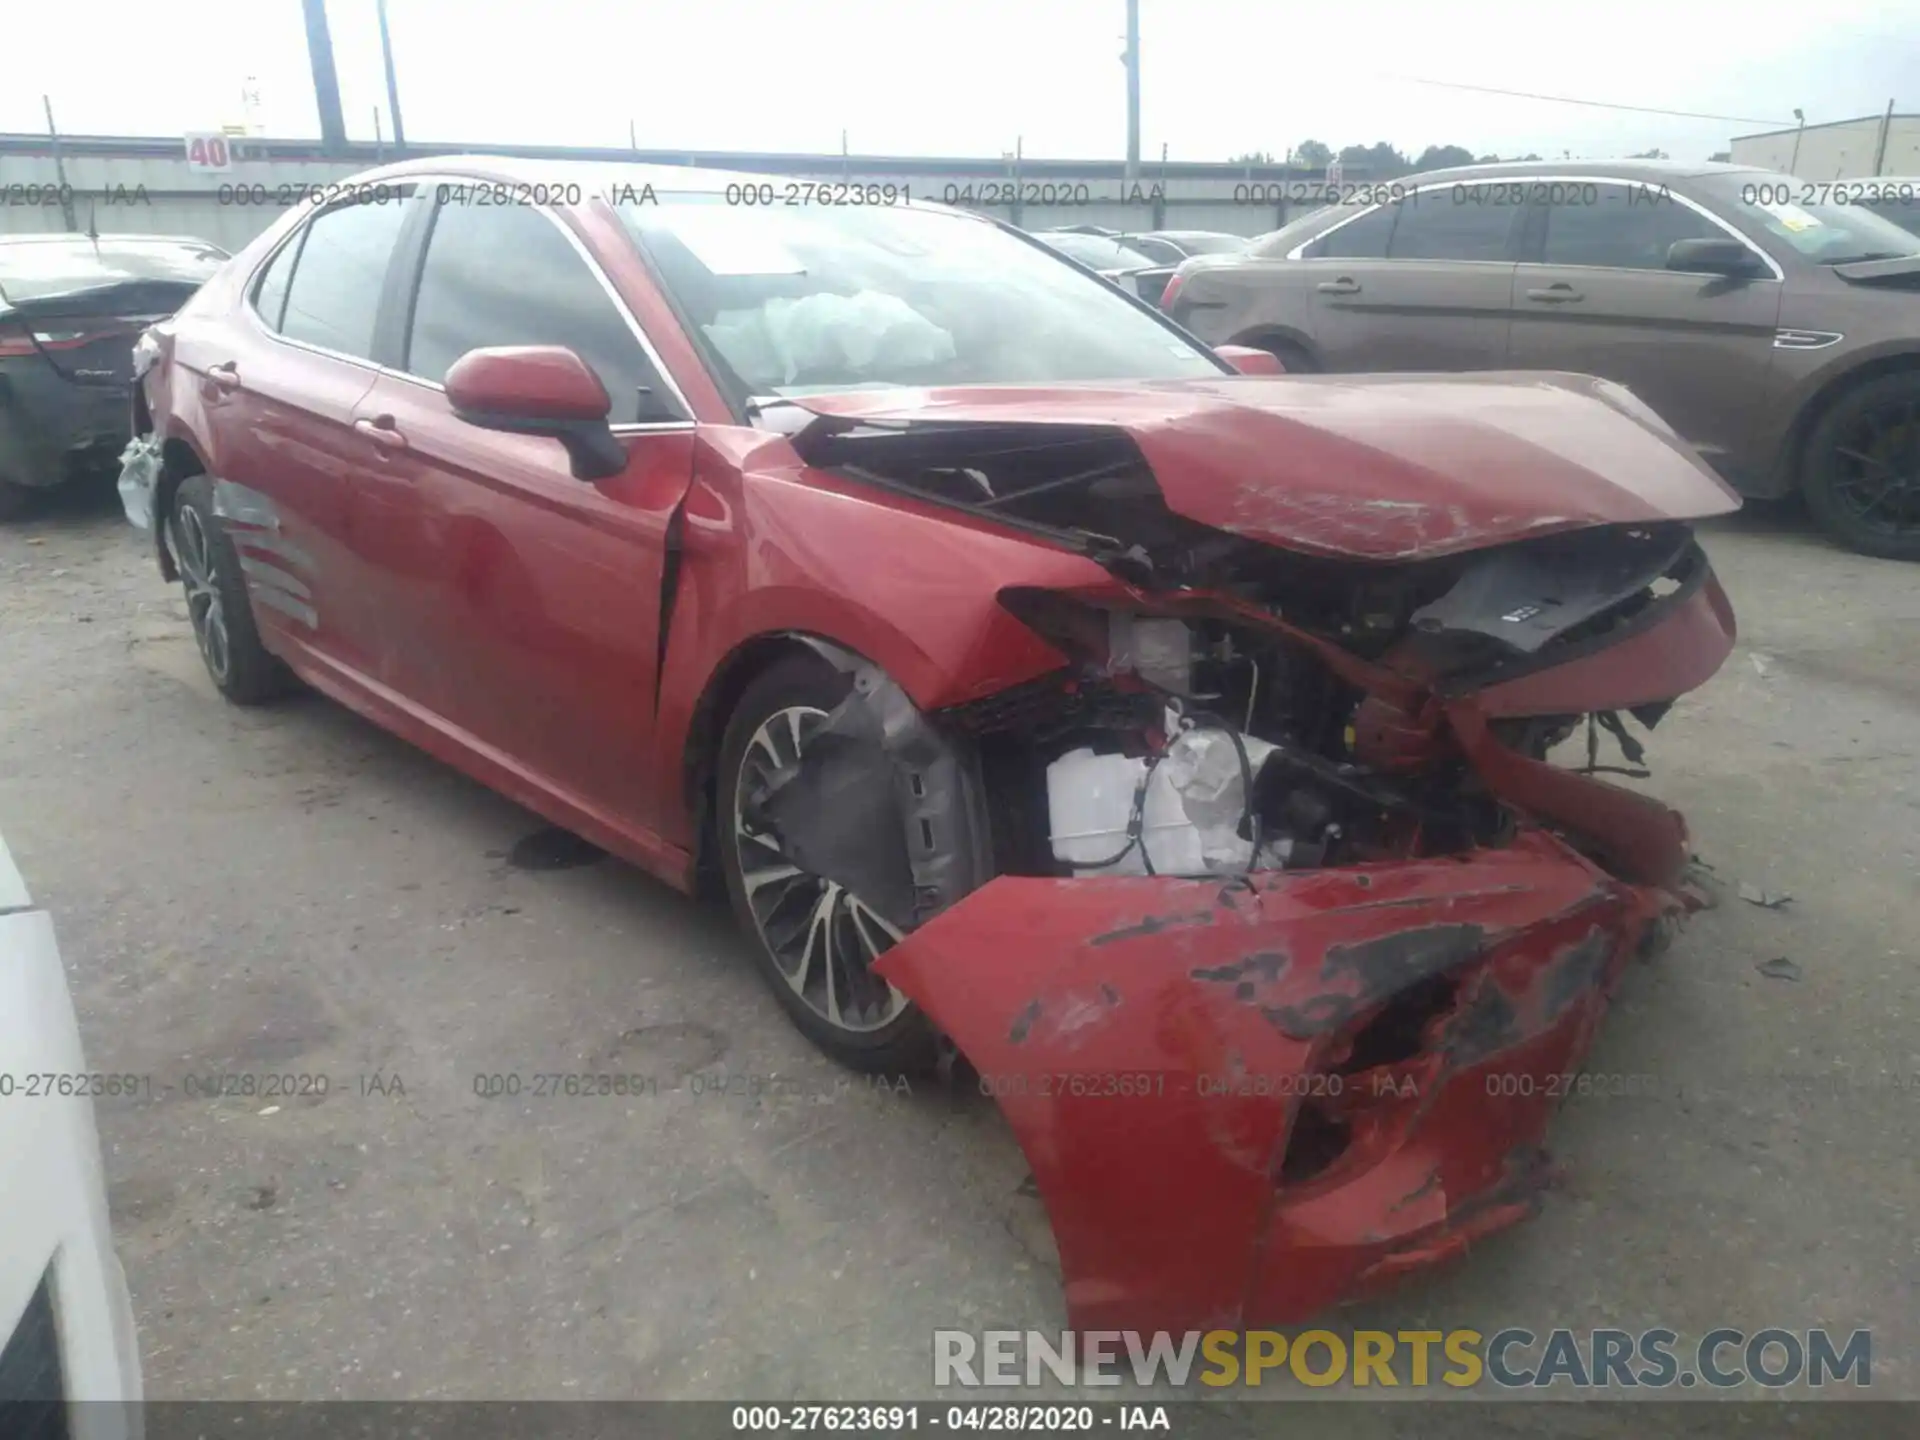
210 152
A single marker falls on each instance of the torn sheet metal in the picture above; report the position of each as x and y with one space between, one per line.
1219 1121
880 802
140 466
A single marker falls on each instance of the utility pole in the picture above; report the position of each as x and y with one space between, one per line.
326 82
59 165
1880 146
393 86
1132 62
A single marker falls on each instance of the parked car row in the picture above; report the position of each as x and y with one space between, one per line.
1142 263
954 612
1780 338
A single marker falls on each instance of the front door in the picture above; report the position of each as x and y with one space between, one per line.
522 605
1596 297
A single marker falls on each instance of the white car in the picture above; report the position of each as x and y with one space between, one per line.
66 1320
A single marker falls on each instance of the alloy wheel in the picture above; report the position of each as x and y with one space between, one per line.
823 939
206 611
1876 467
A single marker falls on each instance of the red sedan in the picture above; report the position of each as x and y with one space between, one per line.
1172 740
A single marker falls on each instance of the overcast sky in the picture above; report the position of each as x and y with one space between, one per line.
970 77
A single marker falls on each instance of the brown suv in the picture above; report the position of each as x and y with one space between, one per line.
1774 329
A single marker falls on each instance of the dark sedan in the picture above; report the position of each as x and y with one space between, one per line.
1142 264
70 309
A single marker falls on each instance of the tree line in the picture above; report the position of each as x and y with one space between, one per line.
1381 161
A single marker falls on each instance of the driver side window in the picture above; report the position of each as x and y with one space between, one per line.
1619 227
506 275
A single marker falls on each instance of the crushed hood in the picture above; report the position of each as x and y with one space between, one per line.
1372 467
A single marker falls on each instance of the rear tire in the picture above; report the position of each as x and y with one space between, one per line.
1861 468
240 667
799 925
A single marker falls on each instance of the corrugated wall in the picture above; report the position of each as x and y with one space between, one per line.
1842 151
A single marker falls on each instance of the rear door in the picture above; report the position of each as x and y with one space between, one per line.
1422 284
1595 296
280 381
520 604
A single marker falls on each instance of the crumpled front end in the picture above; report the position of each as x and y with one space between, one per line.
1311 882
1244 1100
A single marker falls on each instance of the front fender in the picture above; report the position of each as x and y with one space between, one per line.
779 549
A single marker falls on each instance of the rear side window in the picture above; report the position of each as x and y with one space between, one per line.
1362 239
270 290
1433 226
506 276
334 296
1619 227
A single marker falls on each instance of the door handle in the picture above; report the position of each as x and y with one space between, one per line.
224 377
1345 285
382 432
1556 294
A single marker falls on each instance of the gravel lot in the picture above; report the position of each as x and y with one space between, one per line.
293 891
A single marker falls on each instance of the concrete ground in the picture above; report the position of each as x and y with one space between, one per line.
290 891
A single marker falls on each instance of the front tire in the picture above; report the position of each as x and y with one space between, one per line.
814 941
217 605
1861 472
15 500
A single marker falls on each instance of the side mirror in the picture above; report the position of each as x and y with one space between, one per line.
539 390
1721 255
1249 361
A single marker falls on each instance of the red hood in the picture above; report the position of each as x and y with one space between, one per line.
1377 467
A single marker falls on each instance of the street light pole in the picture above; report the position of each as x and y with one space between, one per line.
393 87
1132 60
1794 163
326 82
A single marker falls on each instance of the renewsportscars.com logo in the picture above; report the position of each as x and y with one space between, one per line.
1513 1358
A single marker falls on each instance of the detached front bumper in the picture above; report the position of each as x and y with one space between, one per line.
1244 1101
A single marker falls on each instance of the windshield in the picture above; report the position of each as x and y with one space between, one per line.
1818 221
35 269
810 298
1097 251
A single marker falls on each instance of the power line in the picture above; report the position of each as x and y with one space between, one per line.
1592 104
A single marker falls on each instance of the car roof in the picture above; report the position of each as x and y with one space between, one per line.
75 237
1191 235
1650 170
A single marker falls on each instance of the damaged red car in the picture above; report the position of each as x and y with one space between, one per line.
1172 741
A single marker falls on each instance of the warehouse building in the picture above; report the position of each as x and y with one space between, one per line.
1886 144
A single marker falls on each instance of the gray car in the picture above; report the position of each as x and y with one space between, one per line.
1776 330
1893 197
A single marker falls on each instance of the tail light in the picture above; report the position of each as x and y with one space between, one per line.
20 343
1168 295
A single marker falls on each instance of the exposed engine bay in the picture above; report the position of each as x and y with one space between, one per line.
1257 725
